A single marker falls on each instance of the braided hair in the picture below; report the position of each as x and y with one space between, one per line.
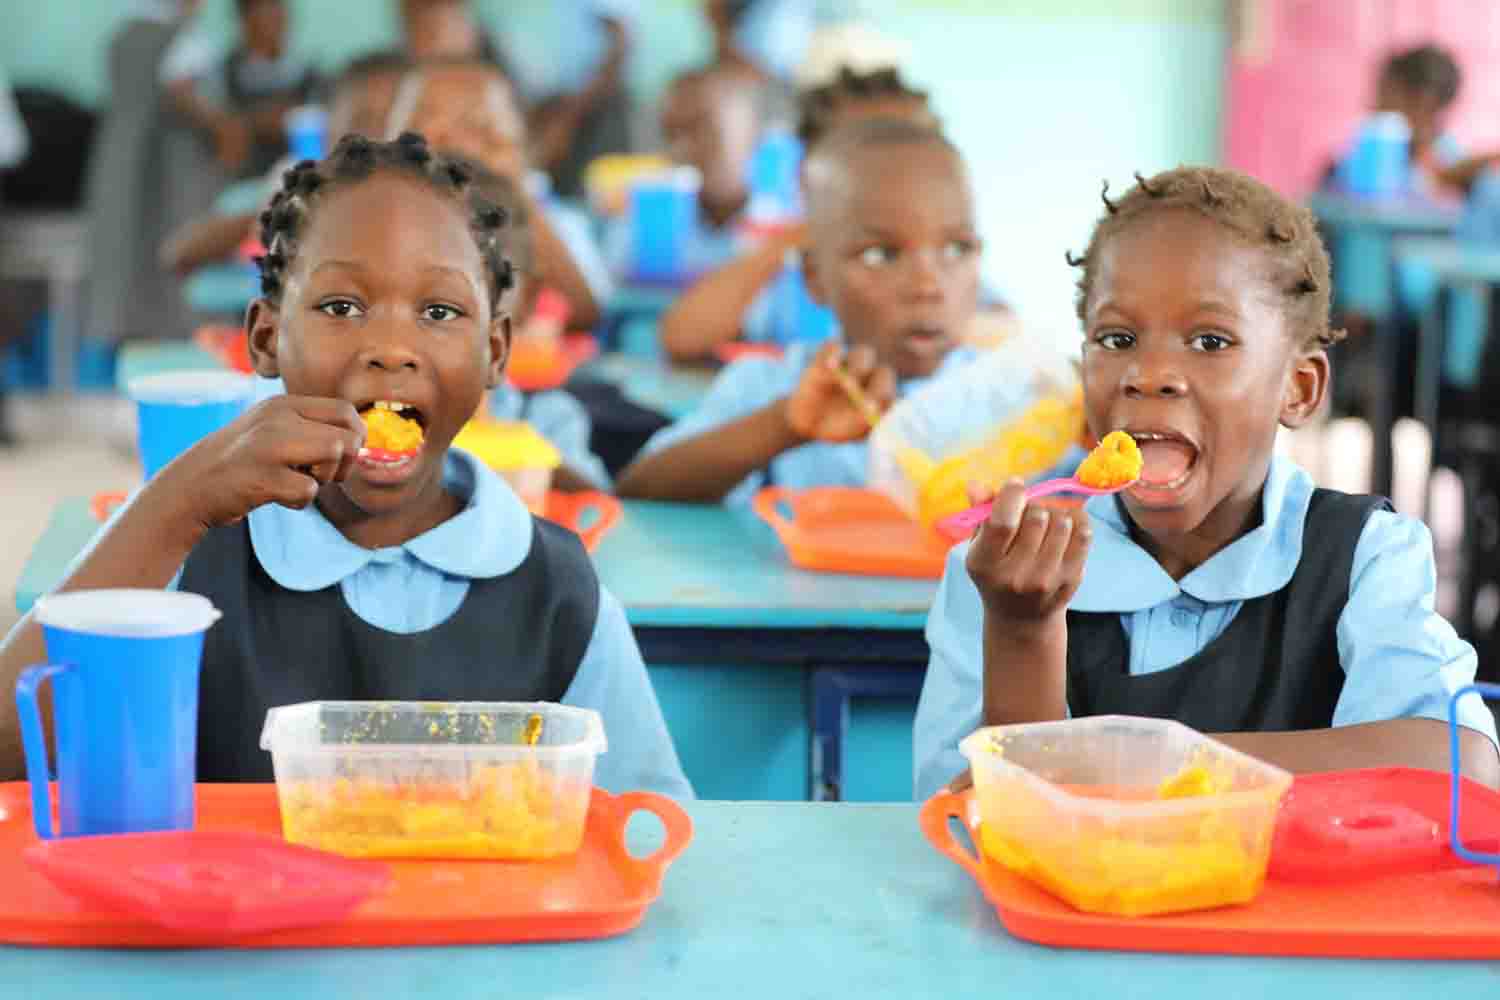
1254 213
818 107
356 159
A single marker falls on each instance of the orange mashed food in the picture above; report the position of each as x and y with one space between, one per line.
389 431
1202 863
503 812
1115 462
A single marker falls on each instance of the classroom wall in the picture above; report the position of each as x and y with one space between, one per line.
1046 97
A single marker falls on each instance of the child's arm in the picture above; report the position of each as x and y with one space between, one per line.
1026 562
1394 742
281 451
706 467
712 311
204 240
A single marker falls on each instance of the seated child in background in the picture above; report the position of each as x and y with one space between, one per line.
343 575
894 253
360 103
468 107
730 301
710 120
1224 590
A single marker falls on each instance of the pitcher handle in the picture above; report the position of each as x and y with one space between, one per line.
34 744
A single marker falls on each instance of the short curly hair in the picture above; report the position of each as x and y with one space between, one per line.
1251 211
356 159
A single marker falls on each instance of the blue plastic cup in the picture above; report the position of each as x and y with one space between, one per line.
663 216
175 410
124 671
306 132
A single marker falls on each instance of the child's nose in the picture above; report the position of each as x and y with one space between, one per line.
924 279
387 350
1150 376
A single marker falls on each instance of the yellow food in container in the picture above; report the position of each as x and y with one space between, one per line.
514 449
1125 816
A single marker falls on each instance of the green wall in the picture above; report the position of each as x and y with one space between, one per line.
1046 97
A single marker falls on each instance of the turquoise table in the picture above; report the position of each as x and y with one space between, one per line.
222 289
154 357
770 677
784 901
671 390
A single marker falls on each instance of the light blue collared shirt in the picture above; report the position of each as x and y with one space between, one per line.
418 585
1401 659
748 385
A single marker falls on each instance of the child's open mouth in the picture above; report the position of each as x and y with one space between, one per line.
394 435
1168 459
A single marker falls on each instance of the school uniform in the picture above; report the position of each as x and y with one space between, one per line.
1320 616
748 385
490 605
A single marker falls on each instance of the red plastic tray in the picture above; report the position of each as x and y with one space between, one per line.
600 891
836 529
1438 914
230 344
572 510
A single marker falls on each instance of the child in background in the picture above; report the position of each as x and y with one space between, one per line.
730 301
468 107
893 252
710 121
348 575
1223 590
360 104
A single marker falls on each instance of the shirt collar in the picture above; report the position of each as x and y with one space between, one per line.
302 550
1122 577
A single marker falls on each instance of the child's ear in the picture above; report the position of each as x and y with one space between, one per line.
1306 387
499 349
262 321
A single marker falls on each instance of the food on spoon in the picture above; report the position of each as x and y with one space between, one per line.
1115 462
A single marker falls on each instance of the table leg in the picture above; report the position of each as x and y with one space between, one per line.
830 690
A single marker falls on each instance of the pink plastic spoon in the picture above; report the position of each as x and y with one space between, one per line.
962 524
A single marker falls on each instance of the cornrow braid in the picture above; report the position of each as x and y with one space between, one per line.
356 159
817 107
1254 213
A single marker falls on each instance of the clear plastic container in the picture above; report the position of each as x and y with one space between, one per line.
1123 815
434 779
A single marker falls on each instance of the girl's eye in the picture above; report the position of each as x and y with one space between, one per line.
1210 342
877 256
439 313
341 309
1115 340
958 249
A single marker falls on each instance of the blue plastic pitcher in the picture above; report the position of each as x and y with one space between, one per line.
124 671
174 410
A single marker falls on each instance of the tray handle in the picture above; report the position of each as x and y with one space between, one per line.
678 824
934 819
767 507
607 508
104 504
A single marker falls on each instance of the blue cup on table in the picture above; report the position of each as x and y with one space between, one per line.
663 216
307 132
124 672
174 410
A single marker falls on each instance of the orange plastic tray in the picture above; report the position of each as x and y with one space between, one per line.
535 366
599 892
571 510
1441 914
227 343
836 529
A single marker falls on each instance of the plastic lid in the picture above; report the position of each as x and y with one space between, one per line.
191 388
130 614
433 727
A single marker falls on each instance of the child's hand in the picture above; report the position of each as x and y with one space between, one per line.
819 409
1027 560
281 451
